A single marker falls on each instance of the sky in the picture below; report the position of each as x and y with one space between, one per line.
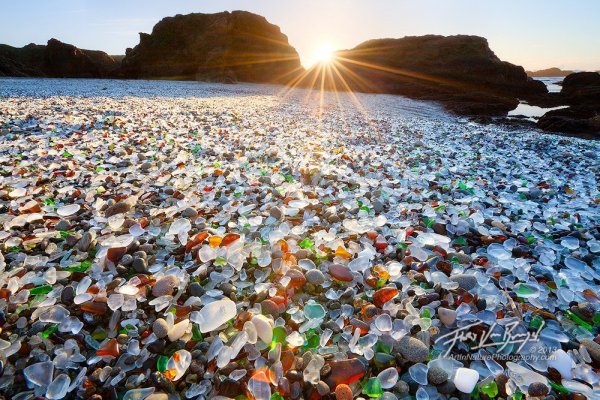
536 34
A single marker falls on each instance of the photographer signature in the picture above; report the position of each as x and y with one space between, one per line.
495 339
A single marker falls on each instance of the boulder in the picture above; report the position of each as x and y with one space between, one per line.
581 91
224 47
579 120
582 88
461 72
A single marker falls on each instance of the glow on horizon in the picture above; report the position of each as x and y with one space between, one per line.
323 53
536 34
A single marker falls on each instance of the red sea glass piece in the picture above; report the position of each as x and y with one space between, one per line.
297 278
384 295
199 238
114 254
287 360
345 372
380 243
340 272
109 349
229 238
94 308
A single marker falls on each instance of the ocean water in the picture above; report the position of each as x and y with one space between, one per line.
533 113
553 83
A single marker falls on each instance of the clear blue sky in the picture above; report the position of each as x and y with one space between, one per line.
533 33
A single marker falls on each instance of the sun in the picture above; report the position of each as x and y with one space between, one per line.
325 53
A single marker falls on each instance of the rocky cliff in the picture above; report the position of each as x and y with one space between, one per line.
460 71
224 47
581 91
56 60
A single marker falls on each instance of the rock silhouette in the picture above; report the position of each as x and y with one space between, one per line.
55 60
460 71
581 91
223 47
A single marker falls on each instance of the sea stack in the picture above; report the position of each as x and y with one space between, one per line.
233 46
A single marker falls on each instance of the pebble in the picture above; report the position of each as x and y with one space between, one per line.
62 225
343 392
467 282
436 376
86 241
322 388
119 207
276 212
315 277
196 289
446 316
189 213
160 328
139 265
537 389
413 349
126 260
461 257
593 348
165 286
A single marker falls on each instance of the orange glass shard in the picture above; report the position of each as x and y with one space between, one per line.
297 278
94 308
215 241
343 253
381 272
290 259
371 281
384 295
589 295
380 243
287 360
284 246
372 235
229 238
199 238
170 374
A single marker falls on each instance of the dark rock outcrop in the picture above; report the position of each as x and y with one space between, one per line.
224 47
572 120
55 60
581 88
24 61
459 71
581 91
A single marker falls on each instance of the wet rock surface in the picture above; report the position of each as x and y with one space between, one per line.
581 91
166 240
